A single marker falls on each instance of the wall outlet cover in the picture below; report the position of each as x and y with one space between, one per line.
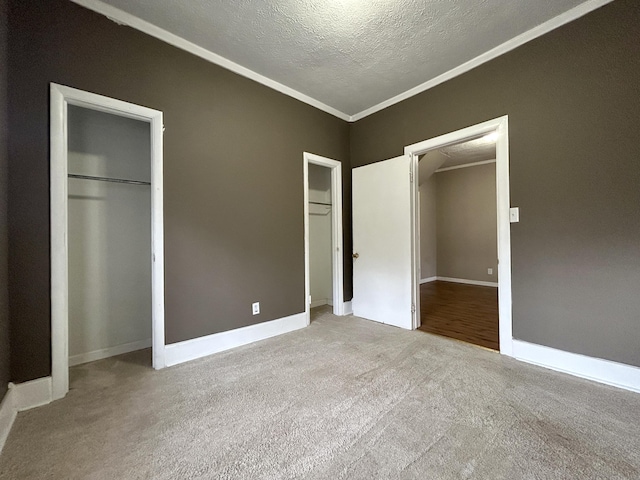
255 308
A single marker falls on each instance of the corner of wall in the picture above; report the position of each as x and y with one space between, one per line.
4 313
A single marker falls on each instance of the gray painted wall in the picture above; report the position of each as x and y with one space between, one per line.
428 229
573 99
467 223
233 178
109 227
4 310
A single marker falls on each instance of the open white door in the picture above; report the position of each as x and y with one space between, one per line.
382 273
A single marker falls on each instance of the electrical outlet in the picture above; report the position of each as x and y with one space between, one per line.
490 271
255 307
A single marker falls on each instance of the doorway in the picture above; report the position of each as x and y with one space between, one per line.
107 287
323 235
458 242
497 129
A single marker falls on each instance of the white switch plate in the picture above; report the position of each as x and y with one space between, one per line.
514 214
255 307
490 271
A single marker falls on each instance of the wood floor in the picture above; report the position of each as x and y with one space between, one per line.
464 312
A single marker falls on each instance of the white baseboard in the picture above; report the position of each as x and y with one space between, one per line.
318 303
347 308
108 352
180 352
428 279
32 394
468 282
20 397
8 415
596 369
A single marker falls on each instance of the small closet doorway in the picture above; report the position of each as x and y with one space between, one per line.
106 231
323 235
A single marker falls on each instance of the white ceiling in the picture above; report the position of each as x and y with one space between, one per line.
350 55
471 151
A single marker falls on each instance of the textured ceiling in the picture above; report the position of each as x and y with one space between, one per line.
472 151
348 54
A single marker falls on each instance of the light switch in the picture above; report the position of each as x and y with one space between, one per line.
255 308
514 214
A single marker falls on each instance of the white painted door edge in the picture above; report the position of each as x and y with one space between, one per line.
500 126
603 371
336 231
181 352
61 96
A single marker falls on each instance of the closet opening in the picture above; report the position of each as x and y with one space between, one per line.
323 237
106 233
109 235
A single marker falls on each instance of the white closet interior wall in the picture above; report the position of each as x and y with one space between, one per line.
320 260
109 228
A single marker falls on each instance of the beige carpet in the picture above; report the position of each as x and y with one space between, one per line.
342 399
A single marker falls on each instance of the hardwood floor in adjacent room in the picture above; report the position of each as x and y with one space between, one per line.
464 312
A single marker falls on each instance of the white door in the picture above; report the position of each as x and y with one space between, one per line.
382 270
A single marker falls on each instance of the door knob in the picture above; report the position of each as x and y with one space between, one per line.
356 255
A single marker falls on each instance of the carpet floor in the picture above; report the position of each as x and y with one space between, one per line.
342 399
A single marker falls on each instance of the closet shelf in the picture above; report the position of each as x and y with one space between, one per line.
108 179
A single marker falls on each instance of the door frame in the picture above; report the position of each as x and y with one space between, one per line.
499 126
60 97
336 232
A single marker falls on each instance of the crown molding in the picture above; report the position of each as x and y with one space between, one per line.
123 18
507 46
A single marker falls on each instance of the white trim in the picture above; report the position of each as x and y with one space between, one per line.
8 415
505 47
61 96
468 282
108 352
336 231
180 352
465 165
428 280
32 394
318 303
21 397
501 127
603 371
124 18
347 308
416 264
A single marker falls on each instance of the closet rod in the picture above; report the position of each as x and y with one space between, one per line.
107 179
320 203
